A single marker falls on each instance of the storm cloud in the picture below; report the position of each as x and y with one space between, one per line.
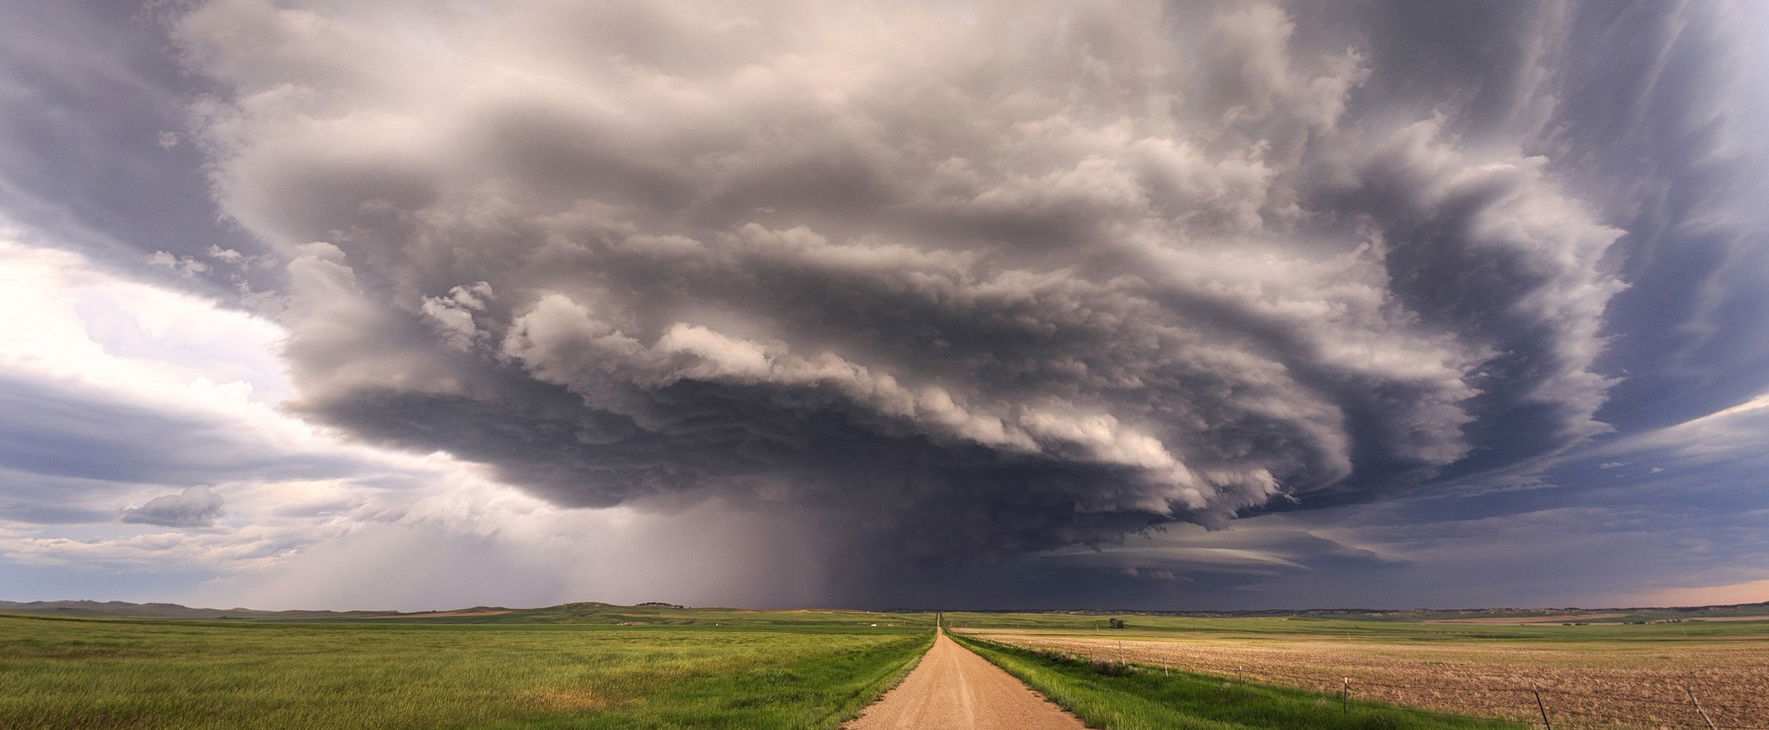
1153 303
995 281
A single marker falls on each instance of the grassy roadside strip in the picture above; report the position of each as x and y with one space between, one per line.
1134 698
863 697
817 693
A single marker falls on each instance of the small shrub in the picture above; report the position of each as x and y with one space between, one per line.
1107 668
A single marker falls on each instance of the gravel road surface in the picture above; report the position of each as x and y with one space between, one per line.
954 689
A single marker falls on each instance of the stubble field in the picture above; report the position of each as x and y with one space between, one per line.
1616 675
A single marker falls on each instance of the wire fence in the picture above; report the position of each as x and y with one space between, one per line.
1541 705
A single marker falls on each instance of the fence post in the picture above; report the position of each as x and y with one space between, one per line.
1543 707
1702 712
1345 695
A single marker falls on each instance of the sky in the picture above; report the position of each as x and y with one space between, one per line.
1199 305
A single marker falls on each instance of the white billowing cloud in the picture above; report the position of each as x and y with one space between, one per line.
105 332
184 265
127 389
193 507
452 315
288 514
1086 268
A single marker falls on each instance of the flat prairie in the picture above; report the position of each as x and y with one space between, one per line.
1589 676
594 667
1534 620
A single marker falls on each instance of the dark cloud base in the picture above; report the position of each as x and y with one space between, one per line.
968 287
1131 268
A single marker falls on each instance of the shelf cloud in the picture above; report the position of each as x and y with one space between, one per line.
980 283
991 281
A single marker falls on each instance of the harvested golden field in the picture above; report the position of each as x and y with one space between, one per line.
1622 678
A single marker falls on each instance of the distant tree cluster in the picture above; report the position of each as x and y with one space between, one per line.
1114 623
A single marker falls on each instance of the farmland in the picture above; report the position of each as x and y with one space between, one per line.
594 666
1597 675
1108 694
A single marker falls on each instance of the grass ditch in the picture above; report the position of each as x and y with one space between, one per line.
1133 697
822 692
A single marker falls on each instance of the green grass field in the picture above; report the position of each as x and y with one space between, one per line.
595 665
1107 696
788 670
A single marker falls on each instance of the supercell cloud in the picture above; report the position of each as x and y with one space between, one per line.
936 283
986 279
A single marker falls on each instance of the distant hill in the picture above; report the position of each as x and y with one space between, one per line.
124 609
660 613
644 614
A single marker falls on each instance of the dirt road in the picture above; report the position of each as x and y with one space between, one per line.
953 688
